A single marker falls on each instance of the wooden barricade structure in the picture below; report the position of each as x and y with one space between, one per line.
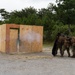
21 38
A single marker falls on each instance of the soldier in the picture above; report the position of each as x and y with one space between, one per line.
67 45
73 46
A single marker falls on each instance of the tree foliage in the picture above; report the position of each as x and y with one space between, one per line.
65 11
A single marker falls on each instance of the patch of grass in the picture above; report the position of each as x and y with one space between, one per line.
47 44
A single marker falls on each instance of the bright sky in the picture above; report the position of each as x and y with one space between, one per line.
11 5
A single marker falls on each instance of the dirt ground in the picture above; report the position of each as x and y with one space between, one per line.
42 63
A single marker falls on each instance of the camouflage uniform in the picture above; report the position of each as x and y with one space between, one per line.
66 46
73 46
73 49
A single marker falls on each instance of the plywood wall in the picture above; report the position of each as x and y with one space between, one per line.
25 38
3 38
0 37
31 38
38 38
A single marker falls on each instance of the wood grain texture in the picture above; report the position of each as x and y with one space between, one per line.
13 40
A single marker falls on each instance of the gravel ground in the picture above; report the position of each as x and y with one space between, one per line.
36 64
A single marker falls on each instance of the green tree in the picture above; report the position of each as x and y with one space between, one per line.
65 10
4 14
47 18
25 16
